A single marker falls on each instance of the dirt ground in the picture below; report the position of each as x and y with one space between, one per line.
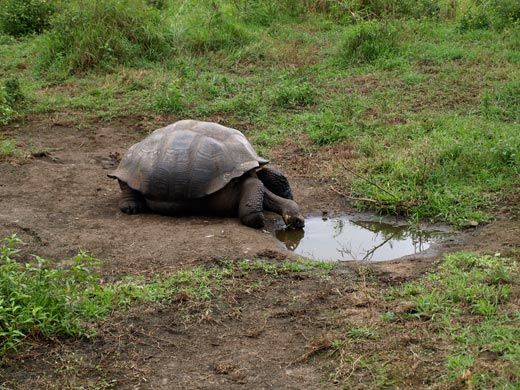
249 338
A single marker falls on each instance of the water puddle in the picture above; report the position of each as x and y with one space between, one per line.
343 238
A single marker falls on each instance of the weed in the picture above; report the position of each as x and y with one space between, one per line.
6 111
284 267
499 14
360 333
169 98
11 97
8 148
39 300
389 316
13 92
474 18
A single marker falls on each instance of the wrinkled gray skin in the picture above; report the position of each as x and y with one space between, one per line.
193 167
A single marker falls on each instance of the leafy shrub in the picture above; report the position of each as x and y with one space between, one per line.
368 41
22 17
13 92
10 98
39 300
102 33
6 111
506 13
474 18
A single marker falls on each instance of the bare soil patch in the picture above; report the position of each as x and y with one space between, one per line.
259 332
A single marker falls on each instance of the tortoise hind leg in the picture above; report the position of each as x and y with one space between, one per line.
131 202
276 182
250 207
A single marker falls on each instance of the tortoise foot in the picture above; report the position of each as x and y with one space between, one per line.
131 207
254 220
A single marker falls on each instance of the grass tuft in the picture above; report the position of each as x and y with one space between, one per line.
503 103
293 94
367 41
104 33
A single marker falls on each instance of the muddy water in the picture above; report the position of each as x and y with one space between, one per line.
343 238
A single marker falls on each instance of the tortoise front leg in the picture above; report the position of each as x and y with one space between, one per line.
287 208
132 202
250 207
276 182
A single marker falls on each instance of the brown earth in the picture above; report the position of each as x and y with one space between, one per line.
260 332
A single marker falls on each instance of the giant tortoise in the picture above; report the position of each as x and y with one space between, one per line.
193 167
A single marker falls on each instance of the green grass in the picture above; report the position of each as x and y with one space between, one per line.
367 41
468 302
434 170
104 34
44 299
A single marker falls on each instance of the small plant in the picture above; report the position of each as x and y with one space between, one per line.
6 111
293 94
506 14
37 299
13 92
368 41
169 98
497 14
360 333
11 97
474 18
8 148
23 17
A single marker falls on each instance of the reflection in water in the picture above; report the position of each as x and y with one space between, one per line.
342 239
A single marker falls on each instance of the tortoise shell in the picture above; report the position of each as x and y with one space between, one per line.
187 160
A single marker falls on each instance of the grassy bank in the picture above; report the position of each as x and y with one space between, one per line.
43 299
460 322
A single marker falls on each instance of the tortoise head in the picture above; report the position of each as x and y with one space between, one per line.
292 217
